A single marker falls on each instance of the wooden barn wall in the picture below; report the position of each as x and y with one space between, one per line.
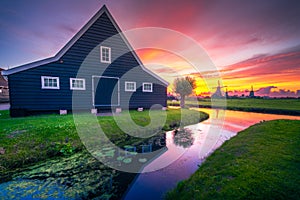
82 60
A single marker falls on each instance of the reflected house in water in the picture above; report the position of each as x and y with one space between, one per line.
4 93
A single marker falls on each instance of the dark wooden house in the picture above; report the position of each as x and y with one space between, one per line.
96 69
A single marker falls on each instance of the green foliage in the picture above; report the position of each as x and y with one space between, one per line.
33 139
183 137
78 176
261 162
49 149
276 106
184 87
4 114
65 148
284 104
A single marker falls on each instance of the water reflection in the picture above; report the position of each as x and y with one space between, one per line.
183 137
207 136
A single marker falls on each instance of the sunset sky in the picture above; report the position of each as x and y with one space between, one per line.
250 42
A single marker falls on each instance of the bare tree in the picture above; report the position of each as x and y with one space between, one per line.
184 87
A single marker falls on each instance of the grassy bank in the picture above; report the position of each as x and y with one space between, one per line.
43 156
33 139
261 162
272 106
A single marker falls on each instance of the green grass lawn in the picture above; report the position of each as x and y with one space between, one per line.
32 139
276 106
287 104
261 162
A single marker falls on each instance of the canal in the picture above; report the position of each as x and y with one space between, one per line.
188 153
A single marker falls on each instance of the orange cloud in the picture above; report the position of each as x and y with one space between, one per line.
280 70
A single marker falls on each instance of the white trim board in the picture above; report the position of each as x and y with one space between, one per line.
101 54
50 87
145 83
127 90
79 79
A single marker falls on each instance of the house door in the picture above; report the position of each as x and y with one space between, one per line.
106 91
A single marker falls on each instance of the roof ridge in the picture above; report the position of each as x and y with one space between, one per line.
62 51
73 40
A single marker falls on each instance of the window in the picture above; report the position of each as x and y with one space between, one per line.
105 54
77 84
49 82
130 86
147 87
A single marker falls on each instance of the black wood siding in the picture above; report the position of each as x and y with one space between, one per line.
82 60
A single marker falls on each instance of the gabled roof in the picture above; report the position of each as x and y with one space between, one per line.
72 42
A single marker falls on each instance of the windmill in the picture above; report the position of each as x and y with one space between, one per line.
251 93
218 92
226 93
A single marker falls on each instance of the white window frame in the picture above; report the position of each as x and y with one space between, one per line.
77 79
109 54
49 87
147 90
130 90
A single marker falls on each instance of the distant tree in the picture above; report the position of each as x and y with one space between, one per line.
184 87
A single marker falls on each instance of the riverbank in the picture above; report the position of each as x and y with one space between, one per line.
261 162
270 106
46 150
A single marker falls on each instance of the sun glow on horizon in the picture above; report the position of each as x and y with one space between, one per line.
170 66
237 78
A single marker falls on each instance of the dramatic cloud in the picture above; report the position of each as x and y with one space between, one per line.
251 42
265 91
280 93
281 69
284 93
270 91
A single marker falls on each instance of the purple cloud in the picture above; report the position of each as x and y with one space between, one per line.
265 90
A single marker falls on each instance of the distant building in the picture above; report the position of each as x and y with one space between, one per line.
251 93
226 94
4 93
218 92
172 97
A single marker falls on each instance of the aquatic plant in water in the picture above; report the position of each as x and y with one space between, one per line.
183 137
